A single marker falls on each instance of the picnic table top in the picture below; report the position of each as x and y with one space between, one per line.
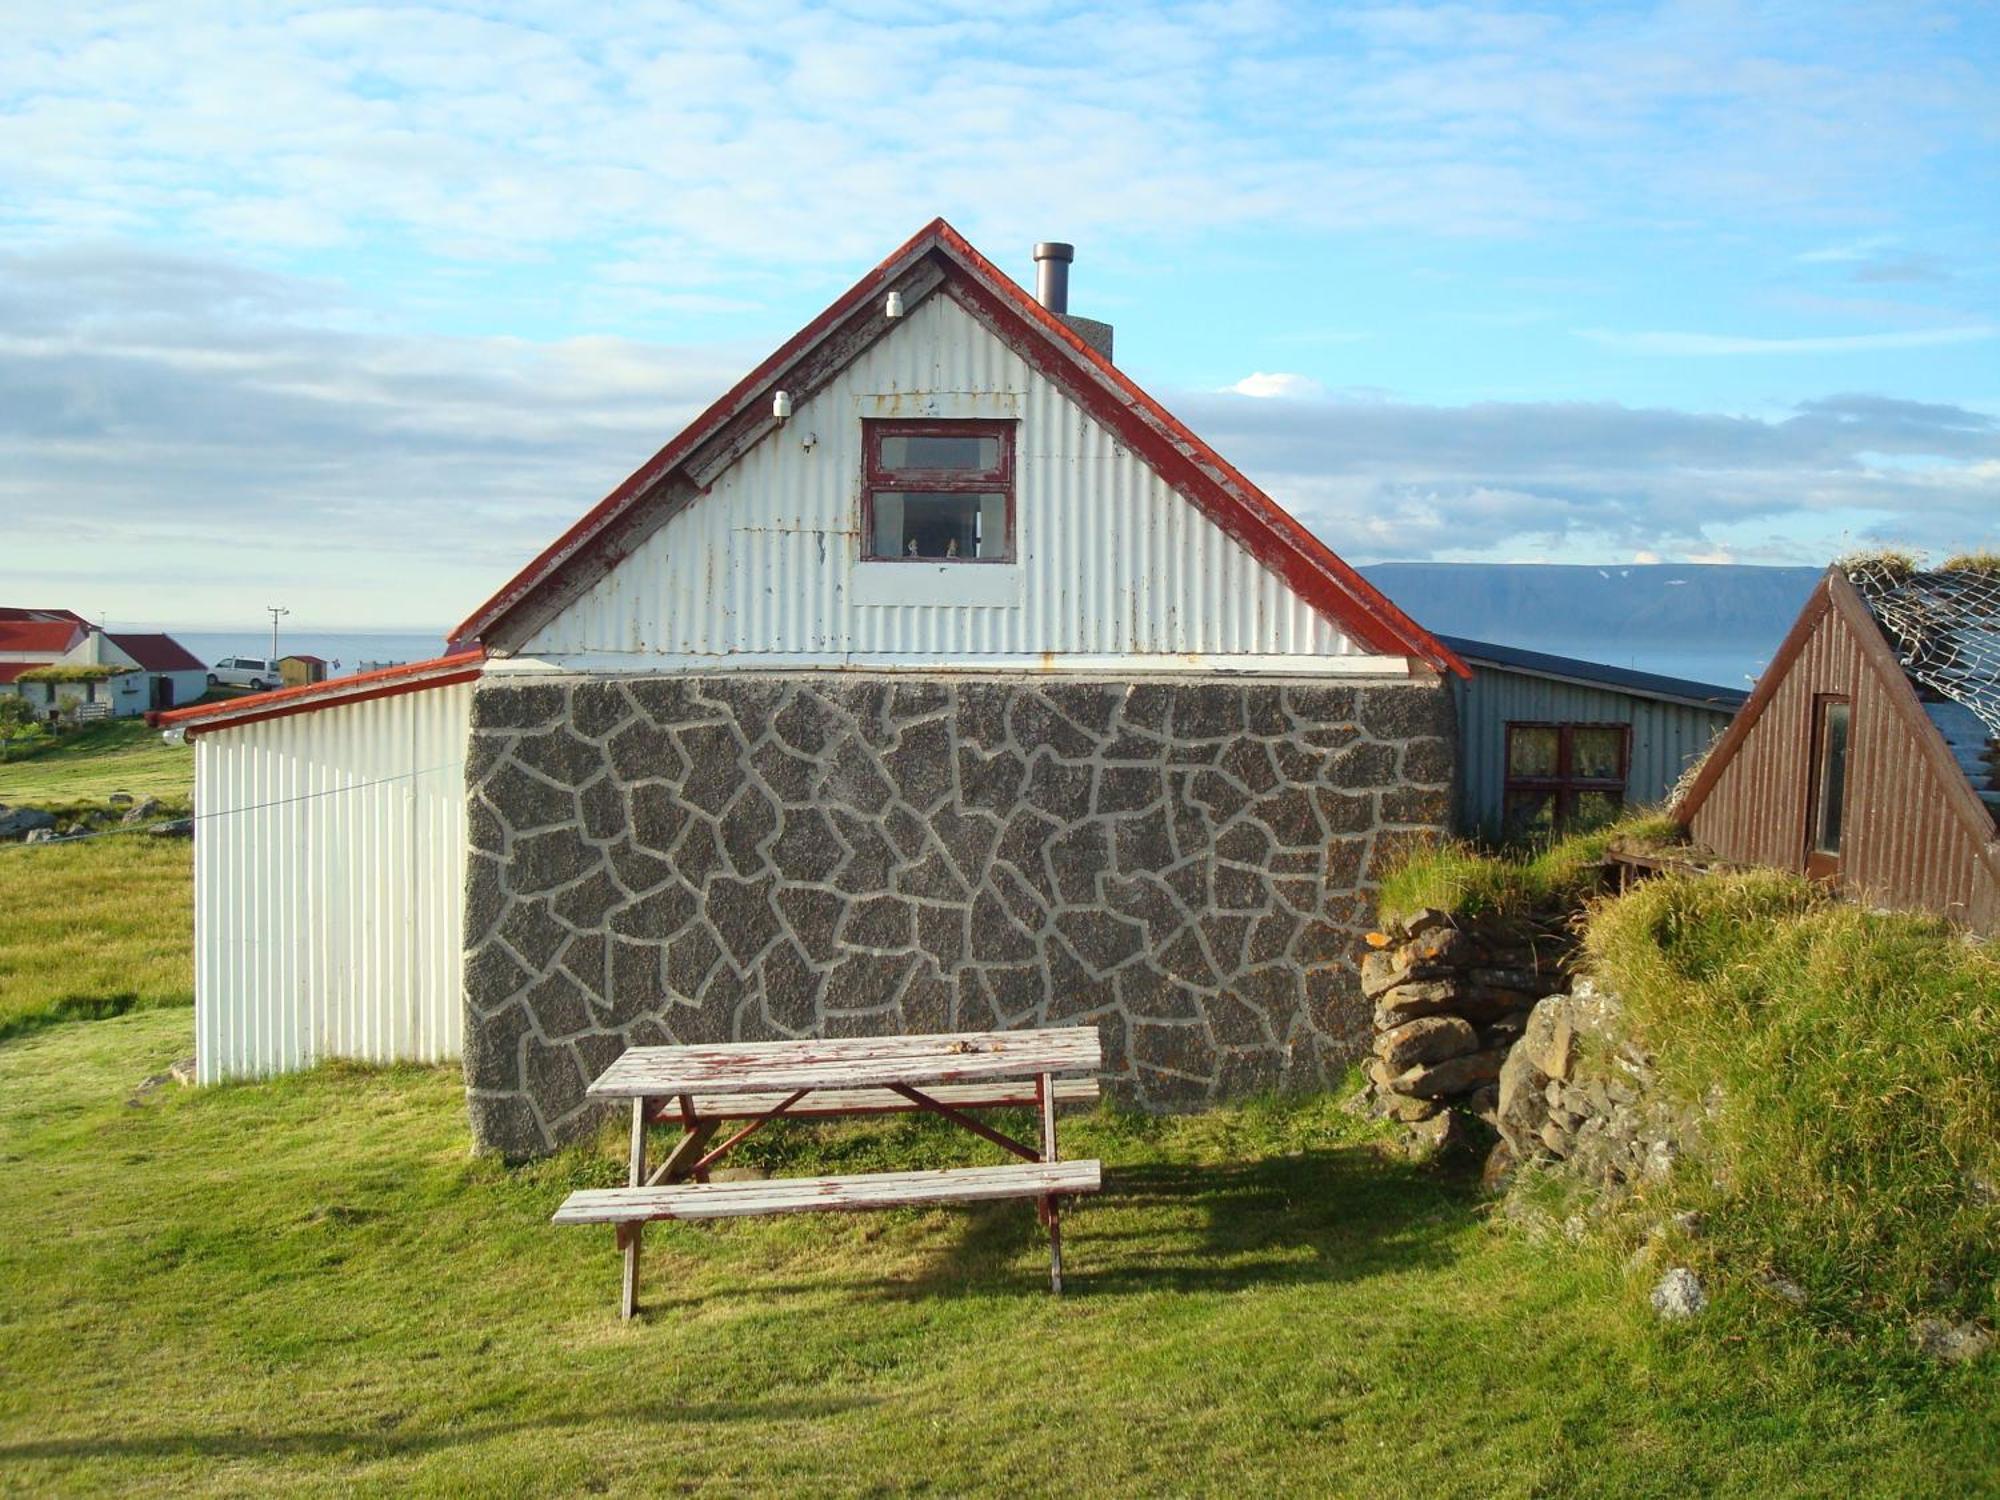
848 1062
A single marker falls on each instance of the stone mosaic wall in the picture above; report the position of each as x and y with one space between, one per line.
1185 864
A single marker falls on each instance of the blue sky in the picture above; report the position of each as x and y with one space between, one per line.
357 306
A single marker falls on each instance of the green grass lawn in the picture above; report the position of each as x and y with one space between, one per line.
94 928
120 755
309 1285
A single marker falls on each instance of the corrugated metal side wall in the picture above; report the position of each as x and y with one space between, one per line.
1901 844
1666 737
1111 559
329 885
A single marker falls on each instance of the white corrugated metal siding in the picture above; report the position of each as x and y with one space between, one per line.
1111 559
329 885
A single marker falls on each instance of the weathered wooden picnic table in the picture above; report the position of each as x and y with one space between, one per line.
952 1075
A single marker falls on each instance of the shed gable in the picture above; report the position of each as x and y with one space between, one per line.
1916 835
1110 558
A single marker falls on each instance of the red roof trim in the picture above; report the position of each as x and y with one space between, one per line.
11 670
410 677
1273 534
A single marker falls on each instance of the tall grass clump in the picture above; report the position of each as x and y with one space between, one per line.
1854 1061
1468 881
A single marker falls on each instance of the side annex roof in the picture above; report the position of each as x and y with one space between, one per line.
939 260
409 677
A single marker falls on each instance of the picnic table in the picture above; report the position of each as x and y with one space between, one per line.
952 1074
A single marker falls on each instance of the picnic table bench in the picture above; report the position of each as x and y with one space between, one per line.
952 1074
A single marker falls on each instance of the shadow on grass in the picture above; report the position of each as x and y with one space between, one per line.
333 1442
1317 1217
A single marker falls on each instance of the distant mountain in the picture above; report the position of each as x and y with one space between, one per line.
1711 622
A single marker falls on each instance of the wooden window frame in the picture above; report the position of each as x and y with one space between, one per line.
1565 784
1820 865
874 477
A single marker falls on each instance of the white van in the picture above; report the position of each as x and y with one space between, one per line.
254 672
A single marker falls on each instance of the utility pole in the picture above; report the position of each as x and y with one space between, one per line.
274 610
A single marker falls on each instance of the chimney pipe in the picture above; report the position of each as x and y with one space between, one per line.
1052 258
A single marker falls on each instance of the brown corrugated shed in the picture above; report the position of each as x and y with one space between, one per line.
1914 833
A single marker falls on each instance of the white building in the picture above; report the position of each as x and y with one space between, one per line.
936 676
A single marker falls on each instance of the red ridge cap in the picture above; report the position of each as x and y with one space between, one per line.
407 677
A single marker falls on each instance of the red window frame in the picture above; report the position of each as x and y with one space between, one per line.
1566 785
875 477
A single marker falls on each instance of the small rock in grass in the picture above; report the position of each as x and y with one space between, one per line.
1679 1295
1409 1111
120 799
1950 1343
1443 1134
1783 1288
1498 1174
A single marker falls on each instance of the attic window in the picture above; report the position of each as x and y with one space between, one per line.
938 492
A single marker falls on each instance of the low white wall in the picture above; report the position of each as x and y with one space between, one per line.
329 886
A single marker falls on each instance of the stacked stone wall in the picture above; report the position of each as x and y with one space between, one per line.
1187 865
1452 994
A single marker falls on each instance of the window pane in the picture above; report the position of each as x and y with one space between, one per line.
1530 814
1832 777
913 523
933 451
1595 809
1531 751
1597 754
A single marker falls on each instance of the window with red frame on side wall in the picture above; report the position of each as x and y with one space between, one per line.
938 491
1562 776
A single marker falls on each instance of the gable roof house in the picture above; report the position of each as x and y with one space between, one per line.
1869 754
934 678
141 671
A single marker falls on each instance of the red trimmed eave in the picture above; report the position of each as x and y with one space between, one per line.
1273 535
662 463
410 677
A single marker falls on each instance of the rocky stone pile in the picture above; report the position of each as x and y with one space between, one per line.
1577 1090
1451 996
22 822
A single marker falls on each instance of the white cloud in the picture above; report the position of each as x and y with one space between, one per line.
1265 386
1704 345
153 408
791 134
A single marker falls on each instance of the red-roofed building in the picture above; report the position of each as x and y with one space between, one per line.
935 678
39 640
146 671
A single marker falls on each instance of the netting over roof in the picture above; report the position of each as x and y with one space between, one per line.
1945 628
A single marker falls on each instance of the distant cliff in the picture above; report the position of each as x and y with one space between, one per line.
1712 622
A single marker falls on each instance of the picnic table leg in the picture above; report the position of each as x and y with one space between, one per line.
629 1235
1051 1205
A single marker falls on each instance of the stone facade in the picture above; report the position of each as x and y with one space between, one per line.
1185 864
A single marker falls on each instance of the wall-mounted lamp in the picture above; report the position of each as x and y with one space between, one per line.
781 405
809 441
174 736
893 308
